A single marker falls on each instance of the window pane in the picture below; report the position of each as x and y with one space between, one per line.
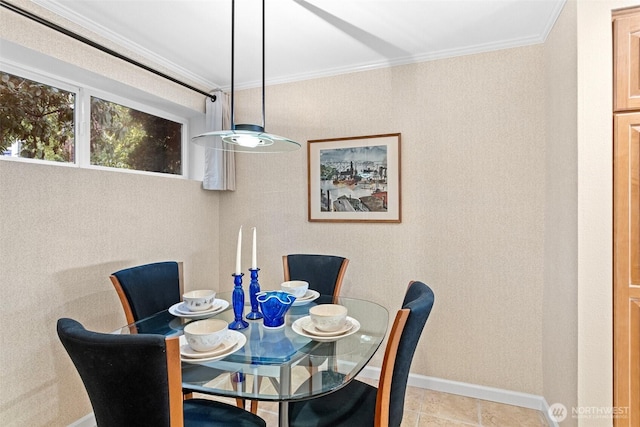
36 120
122 137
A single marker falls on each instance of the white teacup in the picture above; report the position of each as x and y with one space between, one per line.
205 335
199 300
328 317
298 288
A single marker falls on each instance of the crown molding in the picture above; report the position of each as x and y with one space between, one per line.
65 12
94 27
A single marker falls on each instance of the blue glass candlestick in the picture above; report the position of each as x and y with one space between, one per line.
237 300
254 288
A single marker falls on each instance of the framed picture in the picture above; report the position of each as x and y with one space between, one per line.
354 179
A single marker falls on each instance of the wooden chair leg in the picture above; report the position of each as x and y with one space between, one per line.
238 378
253 406
187 396
235 378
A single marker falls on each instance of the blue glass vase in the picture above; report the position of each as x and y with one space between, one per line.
274 305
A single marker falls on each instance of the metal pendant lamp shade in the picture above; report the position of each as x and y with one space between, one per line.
246 138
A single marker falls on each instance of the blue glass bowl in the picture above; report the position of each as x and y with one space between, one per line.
274 305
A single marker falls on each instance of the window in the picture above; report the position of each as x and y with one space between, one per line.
41 121
122 137
36 120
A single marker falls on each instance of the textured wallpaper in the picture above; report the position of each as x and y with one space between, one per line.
473 191
63 231
474 185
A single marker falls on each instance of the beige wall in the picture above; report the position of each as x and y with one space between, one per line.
594 77
586 321
473 176
63 230
481 136
560 311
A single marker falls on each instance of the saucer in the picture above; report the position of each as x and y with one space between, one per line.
219 306
239 338
298 328
227 343
183 309
310 328
311 295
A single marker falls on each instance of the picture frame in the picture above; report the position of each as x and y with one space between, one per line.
354 179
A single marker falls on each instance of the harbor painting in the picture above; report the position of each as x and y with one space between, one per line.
355 179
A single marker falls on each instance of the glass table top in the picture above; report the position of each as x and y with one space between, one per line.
277 364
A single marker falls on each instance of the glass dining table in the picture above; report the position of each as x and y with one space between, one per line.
276 365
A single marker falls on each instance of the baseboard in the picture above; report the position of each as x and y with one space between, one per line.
492 394
87 421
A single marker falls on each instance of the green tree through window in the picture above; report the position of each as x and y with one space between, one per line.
122 137
36 120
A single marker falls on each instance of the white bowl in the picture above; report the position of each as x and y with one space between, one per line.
205 335
199 300
328 317
298 288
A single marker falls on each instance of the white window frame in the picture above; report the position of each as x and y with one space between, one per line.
82 143
47 80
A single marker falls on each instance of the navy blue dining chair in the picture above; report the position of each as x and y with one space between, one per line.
358 404
136 380
148 289
323 272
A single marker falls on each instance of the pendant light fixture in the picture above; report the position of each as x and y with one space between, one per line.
246 138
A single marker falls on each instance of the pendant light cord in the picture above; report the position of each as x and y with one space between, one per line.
233 37
263 61
246 138
233 42
95 45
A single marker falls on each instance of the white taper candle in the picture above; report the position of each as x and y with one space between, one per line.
238 252
254 261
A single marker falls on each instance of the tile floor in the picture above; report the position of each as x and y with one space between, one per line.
431 408
426 408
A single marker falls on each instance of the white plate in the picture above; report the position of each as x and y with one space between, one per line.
216 306
219 306
228 341
310 328
311 295
297 328
183 309
241 340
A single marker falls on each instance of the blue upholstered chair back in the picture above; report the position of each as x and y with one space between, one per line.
125 375
323 272
363 405
150 288
419 300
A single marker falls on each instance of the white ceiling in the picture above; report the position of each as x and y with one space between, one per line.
307 38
